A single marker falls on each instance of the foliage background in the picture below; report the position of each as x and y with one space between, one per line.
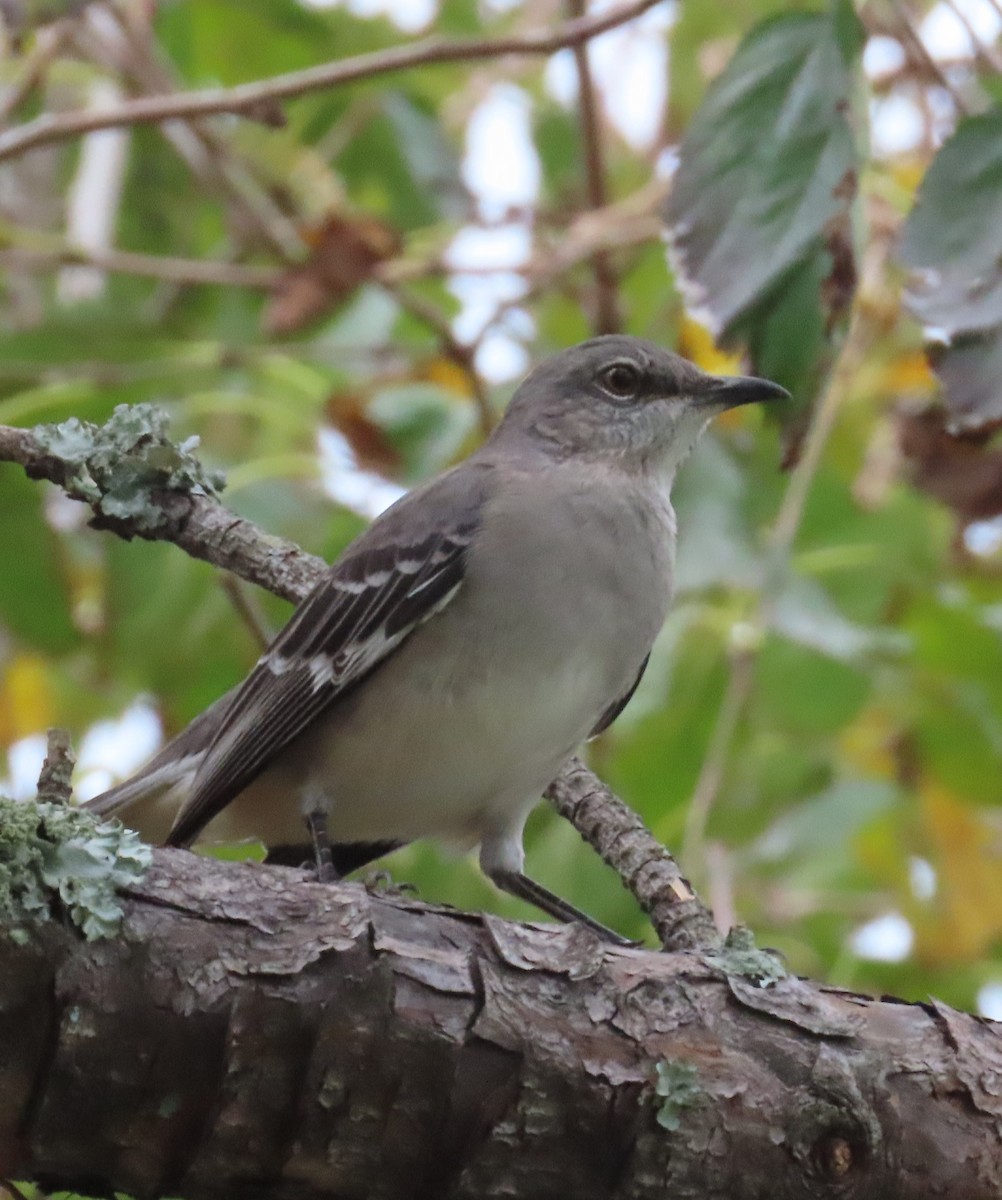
820 731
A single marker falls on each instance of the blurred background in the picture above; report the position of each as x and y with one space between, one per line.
336 292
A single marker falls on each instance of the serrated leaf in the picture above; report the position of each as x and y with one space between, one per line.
953 243
767 180
953 236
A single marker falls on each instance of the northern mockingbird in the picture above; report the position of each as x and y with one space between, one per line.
459 651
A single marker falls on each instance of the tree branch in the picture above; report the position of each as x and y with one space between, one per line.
202 527
249 1033
168 268
248 97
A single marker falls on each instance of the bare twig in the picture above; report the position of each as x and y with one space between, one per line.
48 46
916 47
459 352
737 691
741 680
113 39
14 1191
982 52
679 917
250 97
630 222
55 782
151 266
246 609
606 297
201 526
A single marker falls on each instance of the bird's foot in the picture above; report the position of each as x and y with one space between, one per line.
383 883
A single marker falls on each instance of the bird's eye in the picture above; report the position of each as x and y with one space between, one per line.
621 380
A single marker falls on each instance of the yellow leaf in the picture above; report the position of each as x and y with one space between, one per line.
908 373
868 743
696 342
447 373
909 172
25 698
964 918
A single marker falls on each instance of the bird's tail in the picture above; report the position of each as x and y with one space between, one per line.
149 801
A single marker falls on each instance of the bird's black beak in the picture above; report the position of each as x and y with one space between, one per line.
728 391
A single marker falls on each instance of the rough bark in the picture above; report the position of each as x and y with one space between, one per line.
250 1033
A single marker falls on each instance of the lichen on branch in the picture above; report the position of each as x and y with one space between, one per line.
116 467
61 861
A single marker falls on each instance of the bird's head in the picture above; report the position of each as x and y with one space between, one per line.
627 398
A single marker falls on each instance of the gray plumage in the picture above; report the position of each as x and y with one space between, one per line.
460 650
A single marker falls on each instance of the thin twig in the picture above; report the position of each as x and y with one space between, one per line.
204 150
150 266
982 52
633 221
737 691
48 46
257 95
913 42
648 870
55 781
13 1190
459 352
247 610
606 284
740 683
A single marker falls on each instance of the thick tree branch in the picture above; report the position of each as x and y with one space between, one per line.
202 527
262 94
248 1034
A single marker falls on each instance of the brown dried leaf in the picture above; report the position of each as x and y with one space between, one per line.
372 448
961 470
344 252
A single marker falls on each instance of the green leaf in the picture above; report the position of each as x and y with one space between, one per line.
953 236
805 692
766 186
431 158
35 602
953 243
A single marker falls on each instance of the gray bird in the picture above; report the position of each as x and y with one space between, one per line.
460 650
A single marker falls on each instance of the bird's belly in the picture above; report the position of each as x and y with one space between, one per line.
454 765
421 755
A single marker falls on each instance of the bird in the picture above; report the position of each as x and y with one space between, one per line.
464 646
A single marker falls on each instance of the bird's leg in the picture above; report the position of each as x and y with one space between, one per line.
501 860
515 883
316 823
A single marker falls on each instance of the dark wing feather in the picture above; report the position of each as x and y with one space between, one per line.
401 571
617 706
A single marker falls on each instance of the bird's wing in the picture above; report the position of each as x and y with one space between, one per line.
405 568
617 706
170 766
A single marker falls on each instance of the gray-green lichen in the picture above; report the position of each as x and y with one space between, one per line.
116 466
740 956
58 859
677 1090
